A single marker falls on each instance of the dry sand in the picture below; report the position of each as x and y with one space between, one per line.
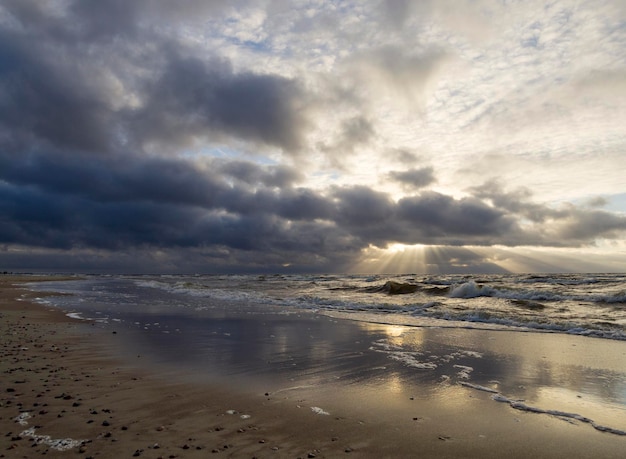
63 394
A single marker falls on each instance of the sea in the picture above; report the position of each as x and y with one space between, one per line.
579 304
546 344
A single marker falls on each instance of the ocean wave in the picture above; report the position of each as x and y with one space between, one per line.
471 289
616 298
614 332
545 308
198 290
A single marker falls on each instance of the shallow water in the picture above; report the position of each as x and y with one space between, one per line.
573 303
284 333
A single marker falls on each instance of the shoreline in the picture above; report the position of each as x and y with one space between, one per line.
62 382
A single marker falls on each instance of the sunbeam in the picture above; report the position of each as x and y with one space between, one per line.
422 259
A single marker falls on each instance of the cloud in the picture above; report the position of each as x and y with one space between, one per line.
251 137
589 224
131 92
391 74
414 178
49 99
564 225
442 219
194 98
250 173
165 210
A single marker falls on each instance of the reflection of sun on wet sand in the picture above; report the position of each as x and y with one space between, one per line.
64 394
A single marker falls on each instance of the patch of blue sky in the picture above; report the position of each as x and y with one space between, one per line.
328 175
608 202
259 46
214 152
616 203
530 42
224 152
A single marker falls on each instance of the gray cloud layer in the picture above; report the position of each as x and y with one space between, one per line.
97 104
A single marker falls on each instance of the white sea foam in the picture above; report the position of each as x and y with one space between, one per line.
60 444
23 418
426 361
522 406
470 290
318 410
410 360
478 387
75 315
79 316
464 371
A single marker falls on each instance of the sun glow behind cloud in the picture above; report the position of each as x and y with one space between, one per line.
397 258
423 259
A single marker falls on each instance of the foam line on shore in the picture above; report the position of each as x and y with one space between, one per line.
520 405
60 444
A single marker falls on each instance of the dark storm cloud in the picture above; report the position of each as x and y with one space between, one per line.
516 202
414 178
266 223
46 100
252 174
122 179
32 218
428 218
113 178
63 87
440 216
584 224
361 207
567 225
196 98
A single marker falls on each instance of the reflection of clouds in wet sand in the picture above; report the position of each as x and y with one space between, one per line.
560 376
426 360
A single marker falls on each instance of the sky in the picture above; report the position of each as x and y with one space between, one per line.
427 136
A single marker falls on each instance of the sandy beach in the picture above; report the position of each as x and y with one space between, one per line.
67 391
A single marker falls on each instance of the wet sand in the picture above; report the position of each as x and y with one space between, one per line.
64 393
